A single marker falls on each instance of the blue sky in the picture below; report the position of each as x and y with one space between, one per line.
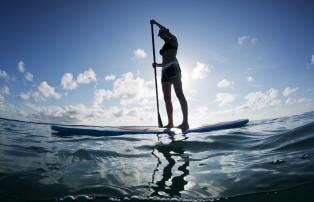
90 61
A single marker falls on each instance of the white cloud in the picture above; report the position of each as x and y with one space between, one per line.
224 83
4 75
247 40
129 88
250 79
140 53
86 77
21 66
47 91
289 91
224 98
67 82
5 90
2 102
29 77
100 95
258 100
200 71
312 59
295 100
110 77
24 96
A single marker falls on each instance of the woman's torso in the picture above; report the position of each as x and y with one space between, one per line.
170 52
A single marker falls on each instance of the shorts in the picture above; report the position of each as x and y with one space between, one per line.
170 72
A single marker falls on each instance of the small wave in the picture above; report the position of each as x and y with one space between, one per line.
88 154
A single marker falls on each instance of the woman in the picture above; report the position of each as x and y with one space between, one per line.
171 74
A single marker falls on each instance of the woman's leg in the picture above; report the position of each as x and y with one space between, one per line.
166 88
177 84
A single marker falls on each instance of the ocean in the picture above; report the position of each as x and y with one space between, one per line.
267 160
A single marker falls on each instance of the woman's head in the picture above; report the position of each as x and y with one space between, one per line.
163 33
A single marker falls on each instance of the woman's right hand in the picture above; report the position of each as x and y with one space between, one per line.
155 65
152 21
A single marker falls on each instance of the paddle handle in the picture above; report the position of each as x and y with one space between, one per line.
156 86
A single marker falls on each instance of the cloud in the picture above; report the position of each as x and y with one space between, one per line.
130 89
4 90
86 77
69 83
24 96
295 101
101 95
224 98
289 91
45 91
21 66
312 59
224 83
4 75
140 53
258 100
110 77
29 77
200 71
247 40
250 79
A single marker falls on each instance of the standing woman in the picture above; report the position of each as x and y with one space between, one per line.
171 74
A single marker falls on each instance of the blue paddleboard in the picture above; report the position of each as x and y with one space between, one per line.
128 130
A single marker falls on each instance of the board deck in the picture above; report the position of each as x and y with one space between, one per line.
129 130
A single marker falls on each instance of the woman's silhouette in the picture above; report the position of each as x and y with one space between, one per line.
171 74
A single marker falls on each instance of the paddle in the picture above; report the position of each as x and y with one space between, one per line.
156 86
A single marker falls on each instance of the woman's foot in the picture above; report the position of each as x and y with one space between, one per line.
168 126
184 126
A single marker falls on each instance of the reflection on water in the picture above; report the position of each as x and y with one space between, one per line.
170 185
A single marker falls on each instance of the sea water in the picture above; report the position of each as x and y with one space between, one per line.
261 159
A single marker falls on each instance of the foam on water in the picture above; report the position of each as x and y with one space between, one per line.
265 156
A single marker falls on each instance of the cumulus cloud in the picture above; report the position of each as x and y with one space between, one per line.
250 79
110 77
200 71
295 100
44 91
47 91
128 88
258 100
247 40
101 95
86 77
69 83
4 75
312 59
5 90
140 53
224 83
29 77
289 91
224 98
21 66
24 96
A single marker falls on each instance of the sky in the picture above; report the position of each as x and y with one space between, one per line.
89 62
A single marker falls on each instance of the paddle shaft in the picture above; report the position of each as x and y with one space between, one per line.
156 86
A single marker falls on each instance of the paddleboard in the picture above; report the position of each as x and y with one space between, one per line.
129 130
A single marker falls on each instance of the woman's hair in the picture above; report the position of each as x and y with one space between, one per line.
163 31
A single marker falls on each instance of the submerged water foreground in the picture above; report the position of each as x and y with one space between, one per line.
265 156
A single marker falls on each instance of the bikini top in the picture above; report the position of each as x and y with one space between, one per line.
167 46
